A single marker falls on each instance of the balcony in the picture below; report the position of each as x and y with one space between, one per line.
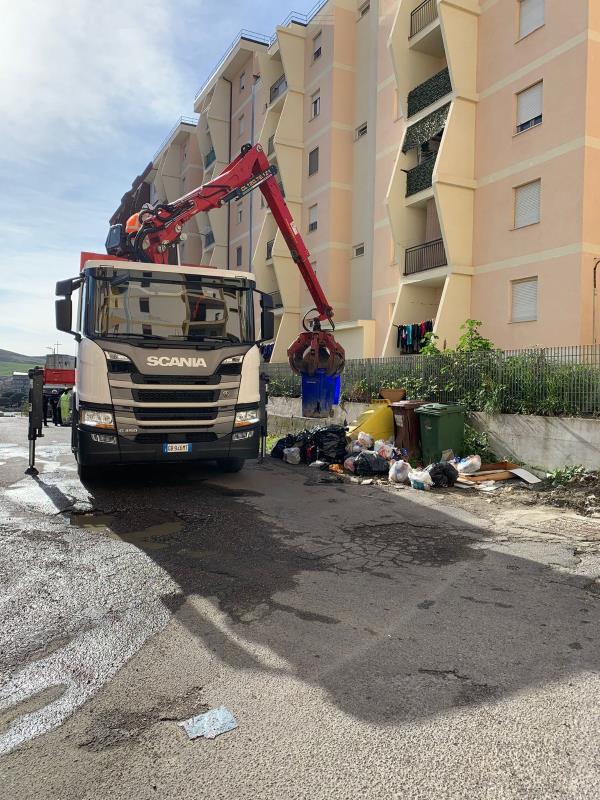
420 177
210 158
270 249
277 89
422 16
425 256
429 92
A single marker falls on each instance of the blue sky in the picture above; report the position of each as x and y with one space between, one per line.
87 93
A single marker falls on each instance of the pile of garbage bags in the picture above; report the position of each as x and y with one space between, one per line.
327 447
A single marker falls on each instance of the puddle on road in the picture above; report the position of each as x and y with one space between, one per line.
154 537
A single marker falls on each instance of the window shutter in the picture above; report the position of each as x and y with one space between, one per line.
524 300
527 204
531 16
529 104
313 161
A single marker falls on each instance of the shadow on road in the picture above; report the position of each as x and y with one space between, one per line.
395 620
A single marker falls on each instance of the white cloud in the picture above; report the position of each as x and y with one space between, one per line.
74 73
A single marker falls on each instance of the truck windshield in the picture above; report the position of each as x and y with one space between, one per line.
168 305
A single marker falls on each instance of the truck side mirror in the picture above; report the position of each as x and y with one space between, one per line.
64 314
267 318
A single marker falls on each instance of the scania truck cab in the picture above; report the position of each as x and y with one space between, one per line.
168 365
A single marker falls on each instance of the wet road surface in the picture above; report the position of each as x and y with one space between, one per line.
370 643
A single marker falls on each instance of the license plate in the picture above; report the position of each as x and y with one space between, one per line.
177 448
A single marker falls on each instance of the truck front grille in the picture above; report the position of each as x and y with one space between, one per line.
174 396
175 438
174 414
162 380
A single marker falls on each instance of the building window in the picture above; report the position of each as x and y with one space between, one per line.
317 46
531 16
524 302
315 105
529 107
270 244
312 218
241 124
147 330
527 204
238 256
364 9
145 305
146 282
240 214
361 131
358 250
313 161
242 81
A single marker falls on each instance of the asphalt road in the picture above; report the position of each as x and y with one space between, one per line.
371 643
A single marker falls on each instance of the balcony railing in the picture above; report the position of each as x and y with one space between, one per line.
271 145
278 88
210 158
420 177
422 16
209 239
270 249
425 256
429 92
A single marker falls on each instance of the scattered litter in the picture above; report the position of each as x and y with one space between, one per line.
399 472
291 455
318 464
337 468
211 724
525 475
368 482
420 479
384 449
447 455
469 465
365 440
349 464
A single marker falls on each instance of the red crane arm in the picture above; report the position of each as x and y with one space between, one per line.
162 224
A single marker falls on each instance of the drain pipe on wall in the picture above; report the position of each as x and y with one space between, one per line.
229 162
594 301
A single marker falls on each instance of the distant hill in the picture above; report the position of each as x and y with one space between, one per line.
18 358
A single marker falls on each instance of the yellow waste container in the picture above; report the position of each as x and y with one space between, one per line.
377 421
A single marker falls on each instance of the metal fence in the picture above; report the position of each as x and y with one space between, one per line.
558 381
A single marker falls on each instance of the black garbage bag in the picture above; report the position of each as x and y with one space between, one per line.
328 443
302 442
443 474
369 463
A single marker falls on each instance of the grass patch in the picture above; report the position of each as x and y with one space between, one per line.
8 367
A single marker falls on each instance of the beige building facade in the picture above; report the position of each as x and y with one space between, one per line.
441 159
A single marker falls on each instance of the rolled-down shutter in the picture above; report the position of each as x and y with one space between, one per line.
529 104
527 204
524 300
531 16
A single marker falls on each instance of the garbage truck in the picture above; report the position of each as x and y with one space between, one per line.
168 363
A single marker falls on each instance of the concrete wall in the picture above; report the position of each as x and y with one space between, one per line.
546 443
285 415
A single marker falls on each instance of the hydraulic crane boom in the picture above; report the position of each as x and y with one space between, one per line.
154 229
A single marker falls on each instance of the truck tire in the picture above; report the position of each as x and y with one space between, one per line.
230 464
87 473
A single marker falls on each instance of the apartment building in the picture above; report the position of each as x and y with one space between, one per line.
440 158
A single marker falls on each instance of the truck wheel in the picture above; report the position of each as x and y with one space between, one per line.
87 473
230 464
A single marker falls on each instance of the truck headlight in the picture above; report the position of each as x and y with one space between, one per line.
111 356
233 360
97 419
244 418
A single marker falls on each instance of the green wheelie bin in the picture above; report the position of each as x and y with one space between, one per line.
442 428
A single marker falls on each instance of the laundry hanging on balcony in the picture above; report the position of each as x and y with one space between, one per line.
410 337
425 129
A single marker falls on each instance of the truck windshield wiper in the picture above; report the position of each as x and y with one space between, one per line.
135 336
